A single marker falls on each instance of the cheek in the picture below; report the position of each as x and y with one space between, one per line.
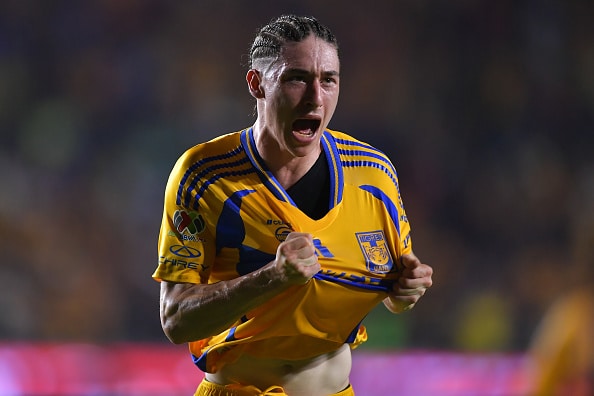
293 96
330 105
331 96
284 96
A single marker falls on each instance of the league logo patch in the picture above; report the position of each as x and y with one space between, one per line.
191 222
376 252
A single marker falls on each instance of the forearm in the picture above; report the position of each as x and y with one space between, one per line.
191 312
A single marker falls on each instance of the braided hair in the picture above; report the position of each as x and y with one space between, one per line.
270 38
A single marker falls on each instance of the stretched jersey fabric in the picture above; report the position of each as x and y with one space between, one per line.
225 215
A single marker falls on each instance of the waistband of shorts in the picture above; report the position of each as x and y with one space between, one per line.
207 388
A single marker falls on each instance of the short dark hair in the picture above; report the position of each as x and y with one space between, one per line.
270 38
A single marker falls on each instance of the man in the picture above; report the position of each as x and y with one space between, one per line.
277 240
561 352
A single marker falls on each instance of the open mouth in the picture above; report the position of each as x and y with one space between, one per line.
306 126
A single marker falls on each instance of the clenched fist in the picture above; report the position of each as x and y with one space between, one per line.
412 284
296 259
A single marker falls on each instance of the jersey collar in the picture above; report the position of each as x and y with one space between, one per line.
328 145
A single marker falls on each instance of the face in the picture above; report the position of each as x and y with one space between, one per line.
297 97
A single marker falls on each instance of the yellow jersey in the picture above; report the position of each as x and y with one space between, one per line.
225 215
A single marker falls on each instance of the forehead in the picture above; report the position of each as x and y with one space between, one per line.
312 53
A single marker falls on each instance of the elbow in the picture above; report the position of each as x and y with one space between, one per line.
181 328
172 326
180 331
174 333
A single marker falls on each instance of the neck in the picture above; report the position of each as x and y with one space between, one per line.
286 167
290 173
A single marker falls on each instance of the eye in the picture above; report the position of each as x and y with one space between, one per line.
296 78
327 81
330 78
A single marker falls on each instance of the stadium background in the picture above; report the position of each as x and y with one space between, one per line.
484 107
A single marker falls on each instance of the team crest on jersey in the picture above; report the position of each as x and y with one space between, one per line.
376 252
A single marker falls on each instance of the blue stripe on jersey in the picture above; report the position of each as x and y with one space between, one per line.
353 336
336 174
231 335
230 227
377 153
251 259
384 164
371 164
214 178
384 285
231 233
197 165
248 142
200 361
390 207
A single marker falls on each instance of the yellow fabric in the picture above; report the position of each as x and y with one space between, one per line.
211 389
563 347
225 215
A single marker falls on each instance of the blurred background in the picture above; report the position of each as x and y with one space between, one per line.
486 109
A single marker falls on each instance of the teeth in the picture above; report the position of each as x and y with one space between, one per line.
305 127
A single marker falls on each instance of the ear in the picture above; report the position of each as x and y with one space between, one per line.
254 83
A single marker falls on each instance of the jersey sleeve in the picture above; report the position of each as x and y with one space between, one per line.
371 170
398 230
403 226
185 247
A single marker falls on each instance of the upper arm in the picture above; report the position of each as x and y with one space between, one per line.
186 236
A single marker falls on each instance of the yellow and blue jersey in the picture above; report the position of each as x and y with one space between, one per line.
225 215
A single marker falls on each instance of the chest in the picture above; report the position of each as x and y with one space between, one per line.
352 239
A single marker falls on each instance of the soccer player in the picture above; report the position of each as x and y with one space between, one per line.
561 352
277 240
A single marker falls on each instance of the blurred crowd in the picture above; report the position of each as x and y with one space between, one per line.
486 109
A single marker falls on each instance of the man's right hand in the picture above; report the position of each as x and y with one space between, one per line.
296 258
192 312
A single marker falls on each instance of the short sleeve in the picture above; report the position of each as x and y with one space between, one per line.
185 248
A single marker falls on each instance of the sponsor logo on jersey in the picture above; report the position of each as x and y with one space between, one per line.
183 237
184 251
281 233
174 262
277 222
376 252
283 228
190 222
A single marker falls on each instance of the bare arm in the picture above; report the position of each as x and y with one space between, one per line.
416 278
195 311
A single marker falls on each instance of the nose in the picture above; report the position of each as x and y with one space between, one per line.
314 94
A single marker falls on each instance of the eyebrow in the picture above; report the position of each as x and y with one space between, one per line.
303 71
